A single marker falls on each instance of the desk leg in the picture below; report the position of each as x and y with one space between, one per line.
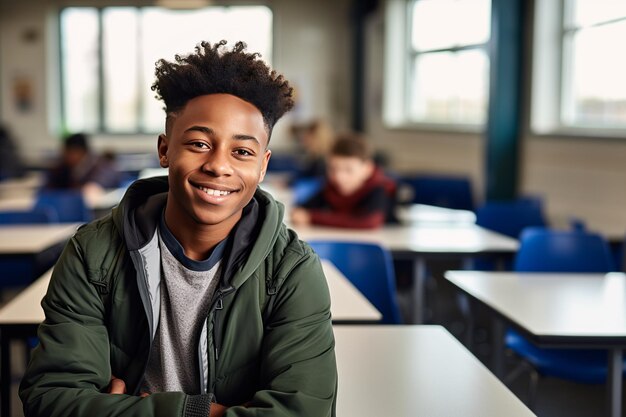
5 362
498 347
419 287
614 382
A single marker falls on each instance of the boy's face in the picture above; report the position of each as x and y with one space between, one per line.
348 173
216 151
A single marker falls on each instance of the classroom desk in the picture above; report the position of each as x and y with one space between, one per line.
98 202
22 315
424 213
33 239
19 187
420 242
556 310
415 371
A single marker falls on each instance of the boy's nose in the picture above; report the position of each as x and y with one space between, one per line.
217 163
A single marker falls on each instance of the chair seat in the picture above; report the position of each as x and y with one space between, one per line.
584 366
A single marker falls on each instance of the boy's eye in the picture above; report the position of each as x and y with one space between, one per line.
243 152
199 145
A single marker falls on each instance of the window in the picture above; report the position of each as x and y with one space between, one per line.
108 56
579 68
437 64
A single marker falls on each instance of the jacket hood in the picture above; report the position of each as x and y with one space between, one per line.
250 242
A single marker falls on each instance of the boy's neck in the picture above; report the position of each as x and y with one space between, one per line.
197 240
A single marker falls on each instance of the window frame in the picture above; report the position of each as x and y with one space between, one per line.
142 128
551 46
398 79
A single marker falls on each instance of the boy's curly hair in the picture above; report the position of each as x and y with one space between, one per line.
214 70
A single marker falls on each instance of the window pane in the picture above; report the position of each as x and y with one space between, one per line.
121 95
587 12
252 25
440 24
595 92
449 87
79 51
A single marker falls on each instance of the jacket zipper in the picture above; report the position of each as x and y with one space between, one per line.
218 304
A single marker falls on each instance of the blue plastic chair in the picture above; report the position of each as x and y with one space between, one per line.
305 188
510 217
370 268
284 163
18 270
69 205
544 250
442 191
34 216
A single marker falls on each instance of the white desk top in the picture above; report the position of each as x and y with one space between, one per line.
19 187
32 239
25 308
347 303
458 238
95 201
423 213
415 371
553 305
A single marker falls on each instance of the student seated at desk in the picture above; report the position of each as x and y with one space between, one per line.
357 194
80 168
192 299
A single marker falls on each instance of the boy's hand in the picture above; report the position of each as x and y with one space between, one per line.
300 217
118 386
217 410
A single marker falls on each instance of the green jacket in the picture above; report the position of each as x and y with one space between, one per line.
269 334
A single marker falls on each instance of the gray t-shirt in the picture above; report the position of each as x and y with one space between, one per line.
187 287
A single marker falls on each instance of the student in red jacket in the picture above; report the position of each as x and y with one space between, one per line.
356 194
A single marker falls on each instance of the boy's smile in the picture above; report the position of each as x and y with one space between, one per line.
216 152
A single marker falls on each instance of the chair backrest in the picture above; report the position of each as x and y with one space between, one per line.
442 191
510 217
305 188
370 269
545 250
284 163
34 216
69 205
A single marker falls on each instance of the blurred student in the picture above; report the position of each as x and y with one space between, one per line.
315 140
356 194
81 169
11 165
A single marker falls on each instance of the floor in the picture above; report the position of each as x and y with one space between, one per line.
555 398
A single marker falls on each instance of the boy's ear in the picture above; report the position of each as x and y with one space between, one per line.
266 159
162 146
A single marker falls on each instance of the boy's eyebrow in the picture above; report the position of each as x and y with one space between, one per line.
210 131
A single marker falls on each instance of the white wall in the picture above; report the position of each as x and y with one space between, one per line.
310 49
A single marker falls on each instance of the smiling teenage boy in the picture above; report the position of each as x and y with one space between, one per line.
192 298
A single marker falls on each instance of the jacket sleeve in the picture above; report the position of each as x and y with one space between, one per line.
298 370
70 369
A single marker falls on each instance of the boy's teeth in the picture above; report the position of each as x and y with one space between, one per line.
211 191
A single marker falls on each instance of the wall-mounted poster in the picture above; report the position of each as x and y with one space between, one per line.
23 93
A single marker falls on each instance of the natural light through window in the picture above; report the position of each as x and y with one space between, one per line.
594 65
108 58
439 73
